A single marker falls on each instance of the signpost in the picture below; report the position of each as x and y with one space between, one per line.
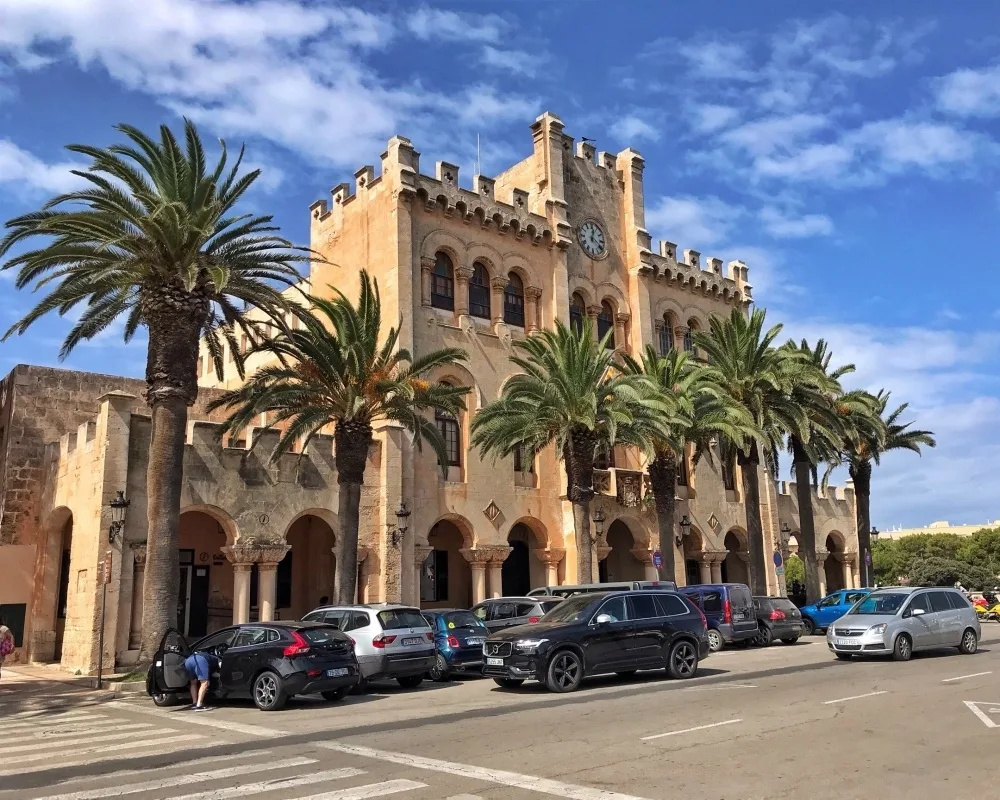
657 559
779 564
105 580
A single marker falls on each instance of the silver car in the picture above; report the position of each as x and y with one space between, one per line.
900 621
391 641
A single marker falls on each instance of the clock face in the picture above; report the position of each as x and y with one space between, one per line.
592 239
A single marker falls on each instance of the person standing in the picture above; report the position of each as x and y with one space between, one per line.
6 642
199 666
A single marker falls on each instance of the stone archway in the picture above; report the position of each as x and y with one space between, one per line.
53 600
621 563
697 569
306 576
519 574
833 566
205 602
737 557
445 575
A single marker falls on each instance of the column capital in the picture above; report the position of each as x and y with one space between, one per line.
593 311
363 553
821 556
256 551
498 284
463 273
420 553
550 556
476 556
622 318
603 552
427 263
242 566
532 292
643 554
139 553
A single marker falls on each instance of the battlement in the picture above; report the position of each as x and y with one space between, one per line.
691 272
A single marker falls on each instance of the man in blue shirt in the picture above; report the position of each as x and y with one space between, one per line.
199 666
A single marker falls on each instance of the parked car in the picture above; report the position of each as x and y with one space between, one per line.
267 661
728 607
391 641
598 633
777 618
625 586
458 637
901 621
506 612
817 617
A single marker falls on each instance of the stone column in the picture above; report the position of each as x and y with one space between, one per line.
478 560
848 571
531 297
267 590
621 326
138 579
420 555
550 558
496 302
426 268
704 568
716 567
497 556
241 593
821 569
645 557
462 276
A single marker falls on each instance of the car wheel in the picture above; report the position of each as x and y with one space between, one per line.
791 640
683 660
627 673
843 656
410 681
808 628
165 699
440 672
336 694
764 636
970 643
508 683
715 640
268 692
565 672
902 648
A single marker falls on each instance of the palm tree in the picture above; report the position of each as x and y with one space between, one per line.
571 393
334 370
702 414
873 434
759 377
154 242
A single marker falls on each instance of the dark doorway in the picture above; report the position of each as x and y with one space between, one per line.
516 571
692 572
198 617
602 571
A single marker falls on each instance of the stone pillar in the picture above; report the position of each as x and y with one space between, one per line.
426 268
241 593
848 571
497 285
478 581
716 568
420 555
267 590
621 326
462 276
531 297
704 568
551 557
138 579
363 565
821 570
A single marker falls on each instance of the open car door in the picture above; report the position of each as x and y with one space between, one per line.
168 674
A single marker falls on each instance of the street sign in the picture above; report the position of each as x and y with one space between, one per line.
106 568
778 562
657 559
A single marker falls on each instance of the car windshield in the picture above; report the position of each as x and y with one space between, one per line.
575 609
880 604
462 619
395 618
324 635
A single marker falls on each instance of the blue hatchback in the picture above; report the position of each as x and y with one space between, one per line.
817 617
459 637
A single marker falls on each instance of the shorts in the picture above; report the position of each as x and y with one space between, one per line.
197 667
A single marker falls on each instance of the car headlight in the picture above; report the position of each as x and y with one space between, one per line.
879 629
528 646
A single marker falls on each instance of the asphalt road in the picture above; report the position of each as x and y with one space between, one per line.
786 722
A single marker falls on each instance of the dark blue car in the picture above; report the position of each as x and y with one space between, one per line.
458 637
728 610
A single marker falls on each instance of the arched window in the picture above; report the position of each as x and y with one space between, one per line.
692 328
577 312
443 283
513 301
524 460
605 323
479 292
666 336
447 426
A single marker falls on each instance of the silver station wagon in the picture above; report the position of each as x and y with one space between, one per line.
903 620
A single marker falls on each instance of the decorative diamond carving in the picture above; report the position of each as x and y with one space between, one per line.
492 511
713 521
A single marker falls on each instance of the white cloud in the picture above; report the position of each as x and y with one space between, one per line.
692 222
631 128
781 226
433 23
714 59
898 144
711 117
970 92
783 133
22 171
517 62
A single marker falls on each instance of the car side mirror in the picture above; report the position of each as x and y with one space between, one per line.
917 612
603 619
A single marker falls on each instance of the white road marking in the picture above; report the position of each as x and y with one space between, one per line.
963 677
27 715
273 785
129 773
513 779
51 722
61 746
720 686
84 748
368 790
852 697
973 706
90 759
83 729
201 718
182 780
690 730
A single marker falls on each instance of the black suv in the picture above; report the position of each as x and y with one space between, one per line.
594 634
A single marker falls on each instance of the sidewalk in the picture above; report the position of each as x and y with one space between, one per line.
30 687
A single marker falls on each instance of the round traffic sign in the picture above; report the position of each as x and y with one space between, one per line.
657 559
777 558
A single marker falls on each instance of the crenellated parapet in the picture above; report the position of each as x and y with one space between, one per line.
689 272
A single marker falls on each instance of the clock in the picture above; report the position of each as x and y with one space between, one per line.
592 239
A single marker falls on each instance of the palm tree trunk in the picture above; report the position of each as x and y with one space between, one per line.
663 481
807 521
352 441
749 461
861 474
175 319
578 453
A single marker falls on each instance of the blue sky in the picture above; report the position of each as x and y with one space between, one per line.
851 159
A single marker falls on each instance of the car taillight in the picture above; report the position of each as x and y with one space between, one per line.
429 636
776 615
382 641
533 620
314 673
353 642
453 641
299 648
727 612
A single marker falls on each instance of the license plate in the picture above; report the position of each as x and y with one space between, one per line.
407 641
336 673
494 662
845 642
475 642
